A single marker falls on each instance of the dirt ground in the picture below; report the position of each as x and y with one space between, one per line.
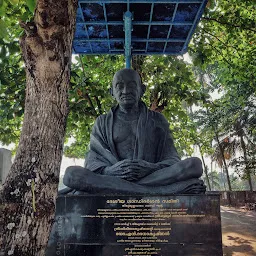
238 232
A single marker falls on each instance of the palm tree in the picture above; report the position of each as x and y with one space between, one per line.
215 180
242 127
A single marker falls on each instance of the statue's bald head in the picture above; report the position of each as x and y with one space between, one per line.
127 72
127 87
130 74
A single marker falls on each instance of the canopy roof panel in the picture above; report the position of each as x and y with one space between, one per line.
158 27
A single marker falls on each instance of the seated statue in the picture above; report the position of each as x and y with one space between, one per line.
132 151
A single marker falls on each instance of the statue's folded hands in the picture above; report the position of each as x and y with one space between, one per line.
131 170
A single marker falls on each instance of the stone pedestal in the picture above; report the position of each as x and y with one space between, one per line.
96 225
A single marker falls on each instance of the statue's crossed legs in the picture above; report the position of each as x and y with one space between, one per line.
181 177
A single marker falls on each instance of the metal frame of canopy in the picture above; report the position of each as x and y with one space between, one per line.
130 27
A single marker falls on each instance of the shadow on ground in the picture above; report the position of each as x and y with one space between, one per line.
238 232
243 247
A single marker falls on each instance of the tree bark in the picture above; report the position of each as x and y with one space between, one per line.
212 186
247 170
137 63
225 167
205 168
31 187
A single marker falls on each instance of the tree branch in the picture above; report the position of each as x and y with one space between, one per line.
87 113
86 94
229 24
161 107
230 64
229 46
98 104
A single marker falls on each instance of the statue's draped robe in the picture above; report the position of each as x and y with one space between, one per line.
153 144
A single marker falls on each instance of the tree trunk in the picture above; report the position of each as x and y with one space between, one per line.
247 171
205 169
190 111
223 178
137 62
223 159
212 176
31 187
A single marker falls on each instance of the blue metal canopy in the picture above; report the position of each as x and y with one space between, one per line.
149 26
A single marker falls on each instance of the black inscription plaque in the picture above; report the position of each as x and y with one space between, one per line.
94 225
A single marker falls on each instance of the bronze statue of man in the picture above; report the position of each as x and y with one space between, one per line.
132 151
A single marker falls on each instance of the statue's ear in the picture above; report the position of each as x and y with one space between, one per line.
143 89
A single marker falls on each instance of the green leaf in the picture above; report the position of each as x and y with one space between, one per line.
3 30
1 3
14 1
31 5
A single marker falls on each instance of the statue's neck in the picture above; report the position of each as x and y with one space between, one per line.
128 114
129 109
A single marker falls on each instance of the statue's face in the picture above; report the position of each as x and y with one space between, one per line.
127 87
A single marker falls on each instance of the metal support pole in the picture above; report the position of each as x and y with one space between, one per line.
128 38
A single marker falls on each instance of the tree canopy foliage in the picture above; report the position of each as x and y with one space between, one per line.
222 60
